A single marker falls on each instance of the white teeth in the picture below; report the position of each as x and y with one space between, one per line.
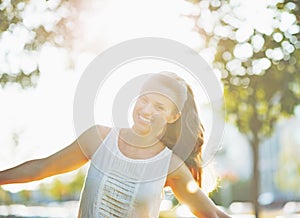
144 119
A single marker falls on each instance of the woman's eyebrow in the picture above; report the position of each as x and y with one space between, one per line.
159 103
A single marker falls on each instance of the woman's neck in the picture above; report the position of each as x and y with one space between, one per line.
131 138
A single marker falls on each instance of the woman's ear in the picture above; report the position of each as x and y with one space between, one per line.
173 117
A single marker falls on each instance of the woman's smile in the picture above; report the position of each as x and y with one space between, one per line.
144 119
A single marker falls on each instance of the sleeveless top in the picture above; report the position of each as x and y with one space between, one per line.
118 186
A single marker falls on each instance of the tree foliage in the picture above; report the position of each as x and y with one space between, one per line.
26 25
257 60
5 197
259 67
61 191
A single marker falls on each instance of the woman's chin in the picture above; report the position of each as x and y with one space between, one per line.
141 130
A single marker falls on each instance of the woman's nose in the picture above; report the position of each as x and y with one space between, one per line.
147 109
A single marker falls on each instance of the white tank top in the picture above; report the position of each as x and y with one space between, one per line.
118 186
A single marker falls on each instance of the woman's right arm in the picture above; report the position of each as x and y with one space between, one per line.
68 159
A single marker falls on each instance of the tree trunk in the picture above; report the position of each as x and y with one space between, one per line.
256 177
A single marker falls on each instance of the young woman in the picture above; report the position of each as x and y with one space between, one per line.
131 166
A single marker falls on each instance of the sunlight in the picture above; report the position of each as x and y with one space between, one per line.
111 22
184 211
255 14
33 115
192 186
166 205
243 51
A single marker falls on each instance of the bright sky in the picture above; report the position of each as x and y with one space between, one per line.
42 116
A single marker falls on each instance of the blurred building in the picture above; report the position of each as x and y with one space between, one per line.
280 163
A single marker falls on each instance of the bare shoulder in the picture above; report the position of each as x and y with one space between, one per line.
103 131
90 140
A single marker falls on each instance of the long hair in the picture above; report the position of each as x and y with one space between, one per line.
185 136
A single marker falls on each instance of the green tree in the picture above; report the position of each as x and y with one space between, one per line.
258 65
60 191
25 195
57 190
75 187
5 197
25 26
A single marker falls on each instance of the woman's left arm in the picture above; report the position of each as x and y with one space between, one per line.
187 191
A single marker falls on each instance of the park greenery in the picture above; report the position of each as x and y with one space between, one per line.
25 26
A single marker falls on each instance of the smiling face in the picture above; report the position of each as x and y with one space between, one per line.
152 112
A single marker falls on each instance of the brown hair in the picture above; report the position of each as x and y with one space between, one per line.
185 136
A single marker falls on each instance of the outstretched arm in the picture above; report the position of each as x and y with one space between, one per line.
187 192
65 160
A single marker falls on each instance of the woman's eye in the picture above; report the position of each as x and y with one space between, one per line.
160 108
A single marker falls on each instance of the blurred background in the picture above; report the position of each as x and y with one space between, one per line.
253 47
